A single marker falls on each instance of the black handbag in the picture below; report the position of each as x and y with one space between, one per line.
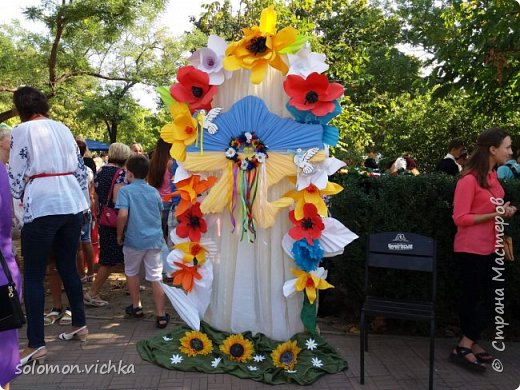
11 314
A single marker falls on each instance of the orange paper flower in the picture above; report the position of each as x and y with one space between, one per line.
188 190
185 276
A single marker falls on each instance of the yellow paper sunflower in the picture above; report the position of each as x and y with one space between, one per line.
181 132
286 355
259 47
310 283
196 343
314 195
192 250
237 348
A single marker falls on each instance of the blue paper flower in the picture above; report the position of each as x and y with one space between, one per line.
309 117
330 133
306 256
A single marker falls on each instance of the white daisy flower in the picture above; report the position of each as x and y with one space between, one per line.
216 362
317 362
230 153
260 157
259 358
311 344
244 165
248 136
166 338
176 359
252 368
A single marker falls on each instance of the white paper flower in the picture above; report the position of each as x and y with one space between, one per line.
306 62
176 359
252 368
320 174
166 338
230 152
260 157
248 136
317 362
209 60
311 344
259 358
244 164
215 362
181 173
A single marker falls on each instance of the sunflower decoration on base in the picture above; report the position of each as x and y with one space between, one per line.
237 348
196 343
286 355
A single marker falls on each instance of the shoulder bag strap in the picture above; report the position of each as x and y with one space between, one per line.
109 198
7 272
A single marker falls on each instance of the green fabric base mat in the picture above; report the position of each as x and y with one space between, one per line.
315 359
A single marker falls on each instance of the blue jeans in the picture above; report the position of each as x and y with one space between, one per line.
60 233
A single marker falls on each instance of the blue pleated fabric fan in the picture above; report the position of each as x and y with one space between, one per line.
251 114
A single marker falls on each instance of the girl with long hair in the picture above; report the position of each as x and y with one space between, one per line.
475 213
160 177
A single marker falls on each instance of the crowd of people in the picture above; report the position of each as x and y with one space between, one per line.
47 174
63 192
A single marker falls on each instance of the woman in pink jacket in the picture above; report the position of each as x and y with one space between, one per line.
478 210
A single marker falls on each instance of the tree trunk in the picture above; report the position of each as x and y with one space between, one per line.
112 132
7 115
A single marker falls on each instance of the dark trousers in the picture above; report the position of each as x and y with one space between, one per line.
477 292
61 234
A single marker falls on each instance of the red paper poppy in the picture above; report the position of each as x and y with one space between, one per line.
193 88
314 94
185 276
309 227
191 224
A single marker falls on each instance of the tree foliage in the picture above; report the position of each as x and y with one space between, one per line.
474 47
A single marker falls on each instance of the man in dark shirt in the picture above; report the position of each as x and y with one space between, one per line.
449 164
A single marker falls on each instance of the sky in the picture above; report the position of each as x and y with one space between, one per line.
176 17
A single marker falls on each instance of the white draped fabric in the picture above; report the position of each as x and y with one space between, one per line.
249 277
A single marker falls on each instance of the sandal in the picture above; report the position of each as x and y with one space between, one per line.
52 317
162 321
78 334
87 279
136 312
93 301
459 357
484 357
66 318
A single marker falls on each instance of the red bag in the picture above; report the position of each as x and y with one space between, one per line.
108 215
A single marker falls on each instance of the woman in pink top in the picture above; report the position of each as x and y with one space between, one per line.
160 177
476 214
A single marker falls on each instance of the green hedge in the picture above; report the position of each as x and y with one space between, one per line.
422 205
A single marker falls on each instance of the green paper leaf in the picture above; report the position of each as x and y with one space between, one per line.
295 46
308 315
164 93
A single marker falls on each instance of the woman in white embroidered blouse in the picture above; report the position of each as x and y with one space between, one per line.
48 173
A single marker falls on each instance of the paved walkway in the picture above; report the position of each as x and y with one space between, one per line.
394 362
